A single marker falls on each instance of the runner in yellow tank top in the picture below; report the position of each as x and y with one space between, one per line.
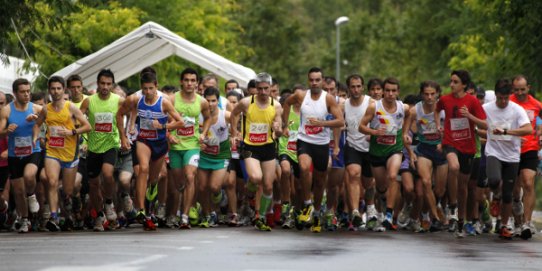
61 147
262 114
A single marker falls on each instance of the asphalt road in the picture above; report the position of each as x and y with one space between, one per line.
247 249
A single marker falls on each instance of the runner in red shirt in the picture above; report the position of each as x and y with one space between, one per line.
462 112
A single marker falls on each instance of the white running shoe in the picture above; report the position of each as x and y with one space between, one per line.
110 212
33 205
25 225
99 223
161 212
517 208
404 216
128 204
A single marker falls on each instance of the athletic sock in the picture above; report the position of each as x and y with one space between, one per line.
265 202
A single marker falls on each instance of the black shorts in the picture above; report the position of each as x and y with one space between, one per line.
95 161
82 169
465 160
318 153
353 156
293 164
528 160
135 161
381 161
430 152
4 174
261 153
475 170
235 165
17 164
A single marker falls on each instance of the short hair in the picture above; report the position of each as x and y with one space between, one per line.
471 85
480 92
263 77
374 82
148 78
315 69
392 81
236 94
283 97
430 84
503 87
189 71
18 82
36 96
354 76
520 76
329 79
275 81
148 69
72 78
168 89
411 99
208 77
56 79
463 75
251 84
231 81
106 73
210 91
298 86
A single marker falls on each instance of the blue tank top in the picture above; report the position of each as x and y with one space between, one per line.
145 115
20 141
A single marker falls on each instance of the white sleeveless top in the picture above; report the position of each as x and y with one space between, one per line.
310 108
353 116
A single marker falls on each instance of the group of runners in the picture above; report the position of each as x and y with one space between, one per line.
464 162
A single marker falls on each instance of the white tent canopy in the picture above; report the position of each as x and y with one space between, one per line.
147 45
13 70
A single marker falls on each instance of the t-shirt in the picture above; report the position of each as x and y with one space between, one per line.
459 130
532 106
504 147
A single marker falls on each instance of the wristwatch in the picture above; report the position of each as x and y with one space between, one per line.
74 132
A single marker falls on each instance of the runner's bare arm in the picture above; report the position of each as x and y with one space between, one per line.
206 113
241 107
277 122
83 122
4 114
335 110
84 106
178 122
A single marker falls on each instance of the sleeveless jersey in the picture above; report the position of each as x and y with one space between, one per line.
353 116
392 141
102 117
218 143
20 141
317 135
288 145
427 128
145 115
188 136
257 123
63 148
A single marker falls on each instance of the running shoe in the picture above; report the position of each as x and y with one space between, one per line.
452 222
351 226
148 225
185 223
172 222
526 233
290 221
33 205
127 203
25 226
379 227
67 224
460 233
161 212
371 217
52 226
316 224
214 220
388 222
305 218
478 227
194 214
357 220
233 220
261 226
415 226
284 212
205 223
517 208
99 223
505 233
495 209
331 221
110 212
404 216
469 229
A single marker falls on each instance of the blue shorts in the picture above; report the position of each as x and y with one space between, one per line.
430 152
334 162
159 148
63 164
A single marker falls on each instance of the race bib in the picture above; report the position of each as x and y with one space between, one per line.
103 122
188 129
390 136
430 132
258 132
292 142
55 139
313 130
211 149
23 145
460 128
146 130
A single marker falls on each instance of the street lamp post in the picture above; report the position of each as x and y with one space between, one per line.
338 22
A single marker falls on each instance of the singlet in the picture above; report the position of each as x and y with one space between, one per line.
218 143
102 115
427 128
63 148
288 145
145 115
392 141
78 105
353 116
310 108
257 123
532 106
188 136
20 141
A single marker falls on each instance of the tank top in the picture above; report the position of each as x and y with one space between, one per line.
145 115
310 108
353 116
218 143
102 117
188 136
63 148
20 141
392 141
288 145
257 123
427 128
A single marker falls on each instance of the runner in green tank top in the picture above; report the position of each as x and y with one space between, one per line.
103 143
185 142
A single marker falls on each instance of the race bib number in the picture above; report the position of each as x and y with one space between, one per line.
55 139
103 122
146 130
390 136
211 149
430 132
313 130
23 146
258 132
460 128
292 142
188 129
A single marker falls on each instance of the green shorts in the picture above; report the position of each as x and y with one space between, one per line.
180 159
212 164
